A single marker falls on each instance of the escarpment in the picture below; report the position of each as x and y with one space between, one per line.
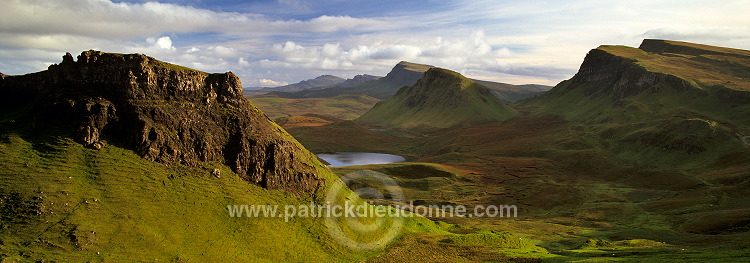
604 72
699 70
164 112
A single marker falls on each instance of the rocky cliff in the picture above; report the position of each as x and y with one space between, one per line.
620 72
166 113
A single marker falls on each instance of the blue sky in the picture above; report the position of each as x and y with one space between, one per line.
274 42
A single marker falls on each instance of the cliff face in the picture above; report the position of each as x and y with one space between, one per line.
166 113
605 73
621 72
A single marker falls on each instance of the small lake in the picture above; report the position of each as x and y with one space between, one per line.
340 159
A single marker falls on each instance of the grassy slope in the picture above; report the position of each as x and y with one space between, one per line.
445 100
113 205
561 218
345 107
63 202
662 126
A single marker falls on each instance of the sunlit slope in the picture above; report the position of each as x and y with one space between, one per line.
441 99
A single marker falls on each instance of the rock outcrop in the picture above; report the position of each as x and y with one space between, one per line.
166 113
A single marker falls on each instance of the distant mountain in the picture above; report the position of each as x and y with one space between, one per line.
403 74
441 99
406 74
666 98
321 82
512 93
358 80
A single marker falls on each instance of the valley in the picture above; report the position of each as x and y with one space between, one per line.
641 156
643 172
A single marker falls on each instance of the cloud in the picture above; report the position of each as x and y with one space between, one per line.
270 83
702 34
242 62
103 18
509 41
163 42
472 54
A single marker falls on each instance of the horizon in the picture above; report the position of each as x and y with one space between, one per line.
274 43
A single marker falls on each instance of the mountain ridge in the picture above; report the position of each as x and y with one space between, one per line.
406 74
320 82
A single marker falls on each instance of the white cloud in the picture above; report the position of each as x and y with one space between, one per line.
511 41
242 62
103 18
163 42
270 83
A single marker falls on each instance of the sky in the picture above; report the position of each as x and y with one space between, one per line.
276 42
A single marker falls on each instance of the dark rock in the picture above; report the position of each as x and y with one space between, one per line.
606 74
166 113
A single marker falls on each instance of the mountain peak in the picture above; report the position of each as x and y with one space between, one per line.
441 99
410 66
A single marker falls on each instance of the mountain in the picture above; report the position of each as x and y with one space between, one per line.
511 93
687 101
321 82
406 74
403 74
124 158
440 99
358 80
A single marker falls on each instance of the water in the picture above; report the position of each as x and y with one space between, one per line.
340 159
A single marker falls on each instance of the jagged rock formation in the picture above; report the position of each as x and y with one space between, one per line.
441 99
166 113
358 80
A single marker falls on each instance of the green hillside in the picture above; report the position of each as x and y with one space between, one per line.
666 103
124 158
441 99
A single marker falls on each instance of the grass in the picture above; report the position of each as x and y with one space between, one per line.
442 99
346 107
717 66
64 202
